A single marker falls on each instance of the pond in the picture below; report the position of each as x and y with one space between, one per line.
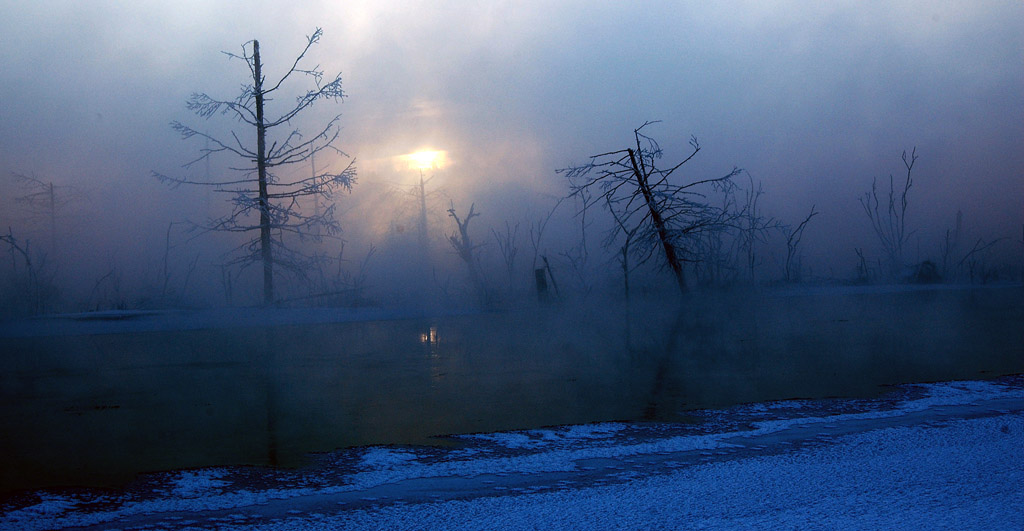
96 409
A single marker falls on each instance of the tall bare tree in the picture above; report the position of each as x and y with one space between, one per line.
890 221
261 191
753 225
421 218
666 216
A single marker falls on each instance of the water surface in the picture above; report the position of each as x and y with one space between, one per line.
97 409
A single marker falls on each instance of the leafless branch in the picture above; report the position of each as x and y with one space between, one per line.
793 241
890 223
664 215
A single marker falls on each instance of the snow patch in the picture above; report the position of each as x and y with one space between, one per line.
49 506
197 483
513 440
385 458
583 432
535 439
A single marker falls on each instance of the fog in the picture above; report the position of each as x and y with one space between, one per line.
813 101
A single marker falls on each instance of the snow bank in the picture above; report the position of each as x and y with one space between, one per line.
965 475
948 454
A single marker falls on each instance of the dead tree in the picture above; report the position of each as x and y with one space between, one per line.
421 219
976 266
623 252
863 271
45 201
951 245
577 257
508 248
668 217
461 242
753 226
32 288
890 224
793 237
718 251
260 191
541 274
464 245
166 291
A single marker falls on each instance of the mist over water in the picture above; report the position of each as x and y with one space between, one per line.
98 409
813 101
468 290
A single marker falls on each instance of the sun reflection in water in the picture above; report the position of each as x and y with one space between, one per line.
432 343
429 336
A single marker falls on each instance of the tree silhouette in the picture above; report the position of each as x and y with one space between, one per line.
890 222
260 190
663 215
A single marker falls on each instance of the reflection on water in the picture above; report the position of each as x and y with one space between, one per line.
99 409
430 338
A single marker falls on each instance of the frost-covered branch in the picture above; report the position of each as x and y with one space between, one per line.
647 205
260 200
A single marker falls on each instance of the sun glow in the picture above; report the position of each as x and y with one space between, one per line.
426 160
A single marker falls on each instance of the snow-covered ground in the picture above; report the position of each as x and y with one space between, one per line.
934 456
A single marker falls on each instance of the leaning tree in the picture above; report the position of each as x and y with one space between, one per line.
655 214
260 190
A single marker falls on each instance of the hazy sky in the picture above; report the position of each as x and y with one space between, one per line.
813 98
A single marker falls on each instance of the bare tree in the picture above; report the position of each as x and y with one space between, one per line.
461 242
464 246
537 232
508 248
671 217
863 271
623 252
37 289
166 291
44 200
541 274
421 218
793 237
975 263
106 292
890 224
753 226
951 245
260 191
577 257
345 287
717 252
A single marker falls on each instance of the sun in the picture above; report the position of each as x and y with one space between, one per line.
426 160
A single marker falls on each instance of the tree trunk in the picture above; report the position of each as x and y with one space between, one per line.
53 221
659 224
625 269
261 168
540 280
422 222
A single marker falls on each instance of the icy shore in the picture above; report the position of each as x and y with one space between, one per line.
947 455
